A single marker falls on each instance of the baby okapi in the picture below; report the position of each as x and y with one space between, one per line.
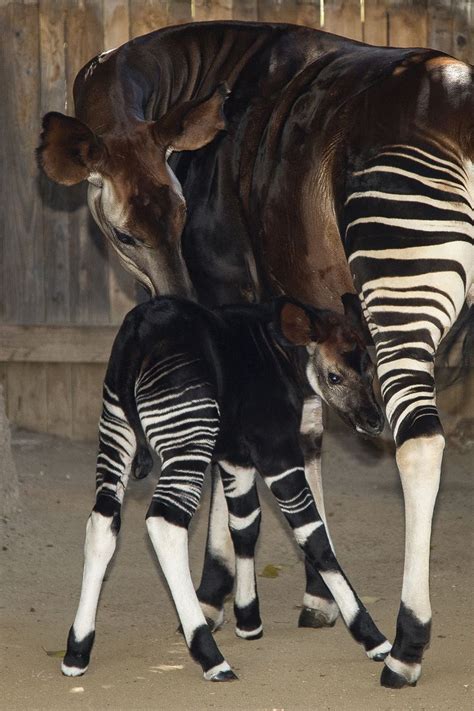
226 386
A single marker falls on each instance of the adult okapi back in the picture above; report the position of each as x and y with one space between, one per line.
336 153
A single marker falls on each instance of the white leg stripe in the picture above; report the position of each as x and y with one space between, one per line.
342 594
245 634
244 581
381 649
238 523
302 533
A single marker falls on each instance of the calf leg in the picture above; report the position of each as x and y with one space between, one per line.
174 502
244 523
114 460
218 572
285 477
319 608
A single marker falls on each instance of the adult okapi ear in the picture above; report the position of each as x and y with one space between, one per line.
193 124
353 311
69 150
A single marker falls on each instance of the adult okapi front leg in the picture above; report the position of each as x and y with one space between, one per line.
409 230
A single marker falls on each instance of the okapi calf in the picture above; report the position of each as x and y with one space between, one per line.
223 386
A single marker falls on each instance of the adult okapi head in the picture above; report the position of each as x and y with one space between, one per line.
133 194
338 366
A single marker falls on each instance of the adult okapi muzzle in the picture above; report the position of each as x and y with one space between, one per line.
133 195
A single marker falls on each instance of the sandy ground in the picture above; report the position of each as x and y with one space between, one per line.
288 668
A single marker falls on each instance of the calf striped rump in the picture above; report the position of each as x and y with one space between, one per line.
180 417
409 232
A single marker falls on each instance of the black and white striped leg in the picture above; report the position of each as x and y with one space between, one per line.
114 460
319 608
244 523
419 462
291 491
173 505
217 580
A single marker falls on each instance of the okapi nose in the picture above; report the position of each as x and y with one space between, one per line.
373 421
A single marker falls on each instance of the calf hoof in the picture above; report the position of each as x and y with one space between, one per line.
76 659
392 680
225 676
221 672
316 619
256 633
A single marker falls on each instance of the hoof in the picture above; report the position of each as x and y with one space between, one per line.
380 657
314 618
392 680
227 675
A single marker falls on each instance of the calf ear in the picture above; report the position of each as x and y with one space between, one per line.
69 150
193 124
295 324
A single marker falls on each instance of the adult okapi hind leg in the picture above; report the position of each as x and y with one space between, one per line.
116 451
409 232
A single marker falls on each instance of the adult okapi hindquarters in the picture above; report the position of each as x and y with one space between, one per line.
331 144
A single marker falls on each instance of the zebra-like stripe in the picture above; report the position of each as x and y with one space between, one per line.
181 422
409 231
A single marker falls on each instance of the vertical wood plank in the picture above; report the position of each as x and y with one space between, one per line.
204 10
89 296
179 12
270 11
245 10
59 399
374 28
342 17
308 13
147 15
4 383
27 395
407 23
55 198
21 231
440 25
116 23
463 30
87 381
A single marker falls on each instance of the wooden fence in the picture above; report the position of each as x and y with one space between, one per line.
62 292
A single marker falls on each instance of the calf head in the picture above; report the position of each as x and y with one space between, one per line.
134 196
338 366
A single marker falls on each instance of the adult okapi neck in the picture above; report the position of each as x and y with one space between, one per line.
151 74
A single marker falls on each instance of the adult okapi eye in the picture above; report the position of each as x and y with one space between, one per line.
334 378
122 237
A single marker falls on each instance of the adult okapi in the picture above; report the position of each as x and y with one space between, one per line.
331 147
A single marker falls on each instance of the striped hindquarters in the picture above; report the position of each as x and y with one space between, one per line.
408 222
180 417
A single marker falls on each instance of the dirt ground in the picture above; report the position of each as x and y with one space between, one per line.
139 662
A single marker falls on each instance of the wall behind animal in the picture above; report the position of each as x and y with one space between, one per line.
62 292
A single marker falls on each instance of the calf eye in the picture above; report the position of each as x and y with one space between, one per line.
334 378
122 237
